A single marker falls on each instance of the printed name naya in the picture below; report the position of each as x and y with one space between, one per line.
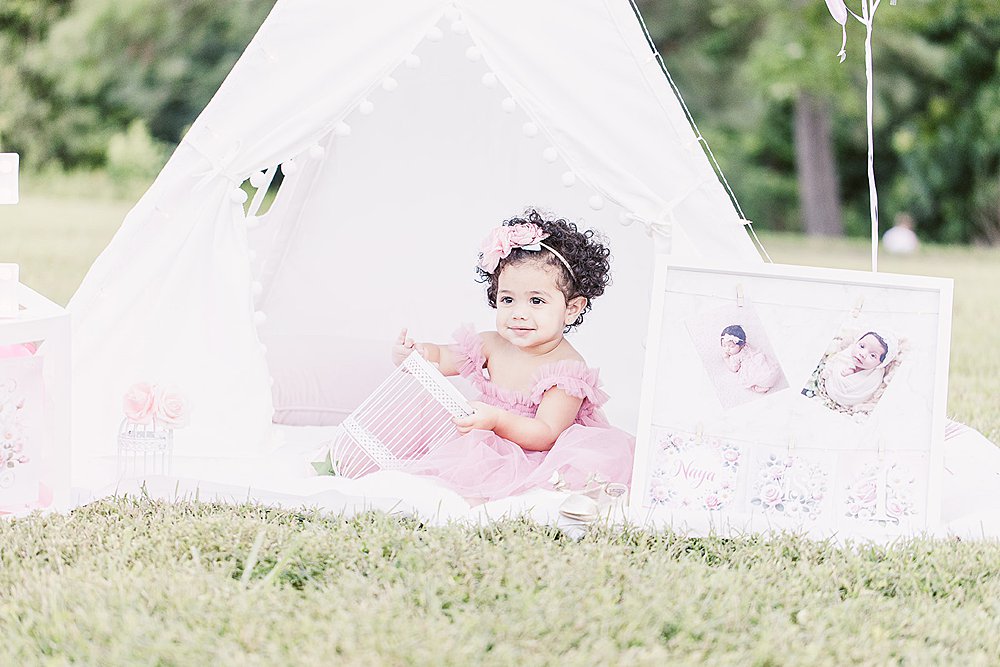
694 475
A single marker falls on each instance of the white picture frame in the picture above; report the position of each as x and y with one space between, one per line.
827 420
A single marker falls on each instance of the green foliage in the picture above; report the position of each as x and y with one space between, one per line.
937 104
100 65
134 156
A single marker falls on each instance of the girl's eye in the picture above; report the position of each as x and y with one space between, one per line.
506 299
536 301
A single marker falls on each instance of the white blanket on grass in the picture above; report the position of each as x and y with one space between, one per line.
970 500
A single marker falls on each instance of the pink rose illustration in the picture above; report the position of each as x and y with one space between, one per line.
712 502
660 492
731 455
172 409
894 508
865 491
140 403
770 494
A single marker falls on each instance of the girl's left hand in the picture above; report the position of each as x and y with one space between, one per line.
485 418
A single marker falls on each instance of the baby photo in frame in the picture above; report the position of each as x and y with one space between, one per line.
857 368
836 426
736 353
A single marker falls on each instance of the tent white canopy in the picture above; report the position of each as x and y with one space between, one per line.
407 129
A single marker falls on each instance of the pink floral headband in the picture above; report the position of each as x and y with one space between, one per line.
503 239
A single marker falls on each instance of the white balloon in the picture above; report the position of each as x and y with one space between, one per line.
342 129
389 84
569 179
412 61
550 154
509 105
529 129
458 27
288 167
435 34
259 317
366 107
258 178
473 53
316 151
596 202
238 196
490 80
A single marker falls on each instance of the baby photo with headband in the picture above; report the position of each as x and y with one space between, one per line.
856 369
736 353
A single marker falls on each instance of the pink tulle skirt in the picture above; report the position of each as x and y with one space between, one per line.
481 466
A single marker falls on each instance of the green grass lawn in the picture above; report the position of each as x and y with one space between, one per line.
130 581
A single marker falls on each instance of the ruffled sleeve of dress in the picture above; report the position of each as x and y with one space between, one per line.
576 379
471 359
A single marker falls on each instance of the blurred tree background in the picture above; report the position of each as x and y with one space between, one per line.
111 86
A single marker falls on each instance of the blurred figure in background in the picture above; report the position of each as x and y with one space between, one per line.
900 239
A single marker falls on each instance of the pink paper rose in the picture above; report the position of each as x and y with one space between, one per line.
140 403
731 455
712 502
172 410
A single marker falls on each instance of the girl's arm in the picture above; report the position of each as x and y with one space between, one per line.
443 356
556 413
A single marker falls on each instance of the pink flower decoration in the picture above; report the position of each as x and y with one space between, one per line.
770 494
505 238
140 403
172 409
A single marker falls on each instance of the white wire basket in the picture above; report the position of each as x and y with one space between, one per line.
405 418
144 449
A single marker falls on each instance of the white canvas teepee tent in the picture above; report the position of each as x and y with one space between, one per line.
406 130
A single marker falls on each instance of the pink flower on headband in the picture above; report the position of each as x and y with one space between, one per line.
505 238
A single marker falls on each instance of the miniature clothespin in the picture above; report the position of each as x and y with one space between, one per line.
791 446
857 306
739 296
699 433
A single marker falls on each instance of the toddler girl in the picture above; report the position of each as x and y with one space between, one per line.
754 369
539 412
852 376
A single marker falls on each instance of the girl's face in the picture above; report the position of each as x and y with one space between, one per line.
867 352
531 309
730 344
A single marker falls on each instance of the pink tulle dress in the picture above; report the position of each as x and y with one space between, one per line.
482 466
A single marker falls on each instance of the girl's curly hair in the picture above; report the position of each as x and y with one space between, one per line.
585 252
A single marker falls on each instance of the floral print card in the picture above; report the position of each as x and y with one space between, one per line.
882 492
692 472
21 429
791 487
